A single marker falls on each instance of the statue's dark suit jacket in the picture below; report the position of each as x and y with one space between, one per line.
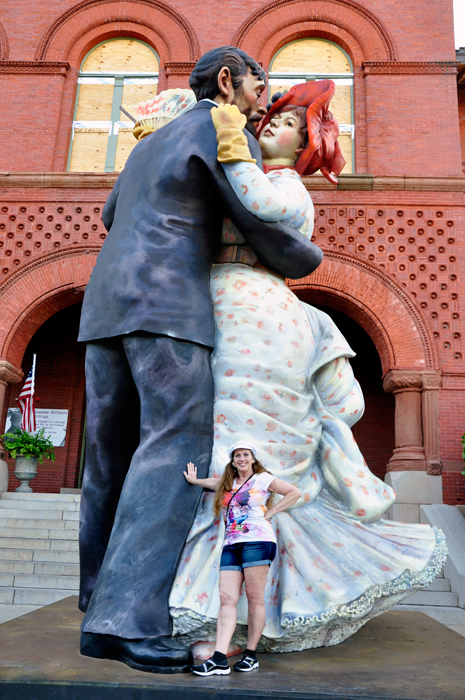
149 392
165 217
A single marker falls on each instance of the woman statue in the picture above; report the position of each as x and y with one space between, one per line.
282 377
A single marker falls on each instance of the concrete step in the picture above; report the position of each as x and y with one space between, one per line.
62 545
445 615
39 523
432 598
66 557
66 534
7 595
10 612
6 579
36 596
43 582
16 554
439 584
24 543
36 533
49 568
37 505
17 567
66 498
27 513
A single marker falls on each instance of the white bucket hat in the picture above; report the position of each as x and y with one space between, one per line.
242 446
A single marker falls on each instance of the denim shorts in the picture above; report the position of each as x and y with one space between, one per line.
236 557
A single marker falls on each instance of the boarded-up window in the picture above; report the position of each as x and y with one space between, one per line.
119 71
316 59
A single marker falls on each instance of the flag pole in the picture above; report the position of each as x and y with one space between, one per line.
34 359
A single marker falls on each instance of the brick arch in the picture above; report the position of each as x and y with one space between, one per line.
376 301
175 30
36 292
4 46
367 30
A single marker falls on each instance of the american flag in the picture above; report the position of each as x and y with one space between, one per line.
26 401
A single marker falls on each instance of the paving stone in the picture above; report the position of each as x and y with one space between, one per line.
10 612
432 598
7 595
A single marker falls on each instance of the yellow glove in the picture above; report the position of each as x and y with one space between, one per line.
139 131
232 142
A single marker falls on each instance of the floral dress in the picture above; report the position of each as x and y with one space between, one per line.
283 381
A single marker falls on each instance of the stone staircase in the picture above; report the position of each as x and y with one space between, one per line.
437 601
39 558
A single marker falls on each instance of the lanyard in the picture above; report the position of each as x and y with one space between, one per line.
235 494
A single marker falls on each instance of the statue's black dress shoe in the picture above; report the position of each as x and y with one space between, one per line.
154 655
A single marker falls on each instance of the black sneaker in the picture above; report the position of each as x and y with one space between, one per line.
247 663
211 668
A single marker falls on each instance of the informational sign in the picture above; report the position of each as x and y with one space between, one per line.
54 421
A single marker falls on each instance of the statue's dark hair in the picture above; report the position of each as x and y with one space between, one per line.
204 78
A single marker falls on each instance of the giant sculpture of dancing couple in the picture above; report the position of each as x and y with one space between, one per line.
281 376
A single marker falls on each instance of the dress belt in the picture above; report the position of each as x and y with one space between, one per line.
241 254
237 254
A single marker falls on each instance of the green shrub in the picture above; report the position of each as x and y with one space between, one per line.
27 445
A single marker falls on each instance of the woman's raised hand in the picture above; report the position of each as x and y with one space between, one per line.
191 474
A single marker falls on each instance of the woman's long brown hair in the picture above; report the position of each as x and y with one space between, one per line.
226 483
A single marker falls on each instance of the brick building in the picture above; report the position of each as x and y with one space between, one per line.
393 277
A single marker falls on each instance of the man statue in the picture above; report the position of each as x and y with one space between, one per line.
147 320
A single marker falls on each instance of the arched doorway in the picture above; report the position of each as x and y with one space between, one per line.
374 432
60 384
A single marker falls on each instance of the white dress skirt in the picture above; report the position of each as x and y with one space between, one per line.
284 382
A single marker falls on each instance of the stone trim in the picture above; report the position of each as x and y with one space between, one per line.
41 67
9 373
183 23
349 4
314 183
409 67
179 68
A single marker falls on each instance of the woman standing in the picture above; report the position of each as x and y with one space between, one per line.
243 494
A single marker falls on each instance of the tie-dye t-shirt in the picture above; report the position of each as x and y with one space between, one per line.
244 519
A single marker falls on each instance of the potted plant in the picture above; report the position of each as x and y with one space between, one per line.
27 450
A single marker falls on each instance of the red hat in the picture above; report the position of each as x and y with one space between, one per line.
323 151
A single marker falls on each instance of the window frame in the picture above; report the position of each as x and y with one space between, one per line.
309 77
114 124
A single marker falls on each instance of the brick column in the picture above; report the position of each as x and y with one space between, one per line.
432 382
406 385
9 374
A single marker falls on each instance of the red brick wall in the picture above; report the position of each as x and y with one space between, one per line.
402 113
453 488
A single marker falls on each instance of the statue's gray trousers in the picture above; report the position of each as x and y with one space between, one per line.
149 412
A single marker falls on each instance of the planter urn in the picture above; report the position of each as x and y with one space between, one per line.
25 470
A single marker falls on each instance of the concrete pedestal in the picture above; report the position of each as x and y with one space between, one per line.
413 489
397 656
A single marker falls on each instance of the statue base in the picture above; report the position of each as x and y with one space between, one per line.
393 657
